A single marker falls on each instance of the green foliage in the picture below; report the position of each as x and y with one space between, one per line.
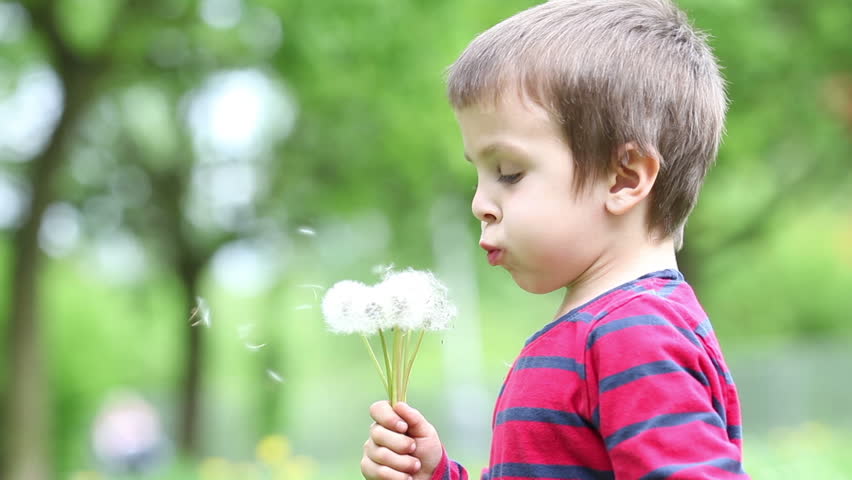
769 247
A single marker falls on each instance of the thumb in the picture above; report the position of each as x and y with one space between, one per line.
418 426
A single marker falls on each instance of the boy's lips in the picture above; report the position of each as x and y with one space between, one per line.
495 255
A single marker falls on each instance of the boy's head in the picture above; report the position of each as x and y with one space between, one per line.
611 73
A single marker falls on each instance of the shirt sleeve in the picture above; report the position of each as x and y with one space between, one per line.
653 392
450 470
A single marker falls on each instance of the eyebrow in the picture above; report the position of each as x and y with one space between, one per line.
494 148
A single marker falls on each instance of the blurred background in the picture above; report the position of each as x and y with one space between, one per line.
180 180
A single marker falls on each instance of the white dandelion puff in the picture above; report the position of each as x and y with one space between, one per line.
408 293
340 307
307 231
440 311
401 308
419 300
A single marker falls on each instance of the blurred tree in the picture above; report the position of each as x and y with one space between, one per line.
138 54
26 413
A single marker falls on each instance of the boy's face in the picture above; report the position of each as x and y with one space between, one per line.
533 223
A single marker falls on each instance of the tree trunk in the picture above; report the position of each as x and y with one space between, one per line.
27 416
192 380
189 260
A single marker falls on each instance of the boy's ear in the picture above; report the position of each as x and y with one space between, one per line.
631 178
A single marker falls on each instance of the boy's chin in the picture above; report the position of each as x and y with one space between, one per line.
533 285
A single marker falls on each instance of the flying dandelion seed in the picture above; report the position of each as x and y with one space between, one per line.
202 311
243 331
307 231
275 376
382 270
304 307
314 288
255 348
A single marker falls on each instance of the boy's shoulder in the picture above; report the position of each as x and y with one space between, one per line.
660 300
654 314
662 296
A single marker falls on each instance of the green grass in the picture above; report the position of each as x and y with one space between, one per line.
812 451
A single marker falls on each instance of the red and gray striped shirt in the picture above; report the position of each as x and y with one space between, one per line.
630 386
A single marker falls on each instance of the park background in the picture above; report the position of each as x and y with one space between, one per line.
252 153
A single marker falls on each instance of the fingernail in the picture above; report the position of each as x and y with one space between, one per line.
417 465
401 426
413 448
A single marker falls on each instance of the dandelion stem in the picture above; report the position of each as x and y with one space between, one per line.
411 359
388 366
375 361
403 355
397 365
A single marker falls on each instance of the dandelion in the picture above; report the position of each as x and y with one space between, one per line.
400 309
202 311
314 288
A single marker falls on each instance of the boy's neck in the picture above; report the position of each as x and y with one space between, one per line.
617 267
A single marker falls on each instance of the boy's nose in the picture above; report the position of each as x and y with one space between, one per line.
484 209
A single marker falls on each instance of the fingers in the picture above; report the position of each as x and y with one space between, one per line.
374 471
388 451
418 426
385 416
383 456
397 442
386 455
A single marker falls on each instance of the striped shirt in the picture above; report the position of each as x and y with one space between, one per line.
632 385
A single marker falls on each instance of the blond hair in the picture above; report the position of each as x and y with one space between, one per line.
611 72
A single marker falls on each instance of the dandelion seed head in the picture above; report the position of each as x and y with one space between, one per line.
410 300
341 307
440 311
419 300
407 291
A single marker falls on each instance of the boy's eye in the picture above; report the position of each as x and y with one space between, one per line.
510 179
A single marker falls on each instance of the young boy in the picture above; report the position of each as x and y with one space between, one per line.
591 124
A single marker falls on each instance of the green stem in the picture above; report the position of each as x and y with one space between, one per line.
411 359
375 361
403 355
397 364
388 367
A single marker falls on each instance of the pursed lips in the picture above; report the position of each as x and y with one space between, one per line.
495 254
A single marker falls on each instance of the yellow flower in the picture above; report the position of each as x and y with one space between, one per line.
273 450
86 475
299 468
215 469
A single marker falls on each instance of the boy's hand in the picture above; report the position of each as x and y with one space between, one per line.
402 445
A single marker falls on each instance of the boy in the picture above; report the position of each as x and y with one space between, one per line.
591 124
